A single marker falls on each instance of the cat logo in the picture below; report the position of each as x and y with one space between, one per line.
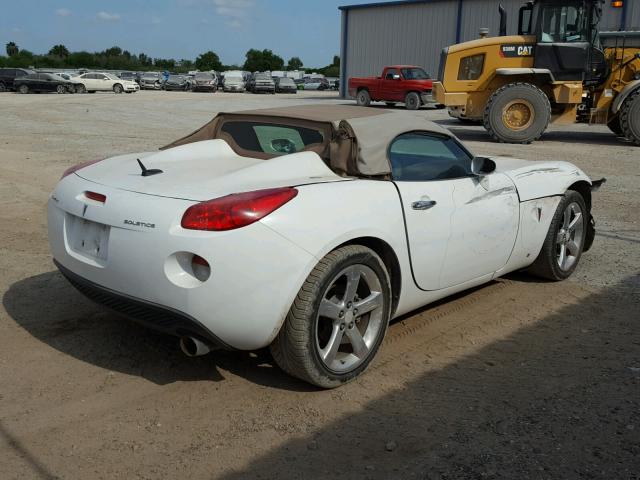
514 51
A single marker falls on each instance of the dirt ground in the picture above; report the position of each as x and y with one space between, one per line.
519 379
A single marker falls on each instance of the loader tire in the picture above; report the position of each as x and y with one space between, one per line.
630 118
517 113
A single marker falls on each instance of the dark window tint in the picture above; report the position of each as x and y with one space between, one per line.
271 138
415 74
390 73
421 156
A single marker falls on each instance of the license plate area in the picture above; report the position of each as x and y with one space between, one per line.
86 239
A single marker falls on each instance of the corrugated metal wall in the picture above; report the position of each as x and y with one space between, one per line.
415 33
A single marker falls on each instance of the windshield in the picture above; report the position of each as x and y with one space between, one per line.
286 81
415 74
176 78
204 76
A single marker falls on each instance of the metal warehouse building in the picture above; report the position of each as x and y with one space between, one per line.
415 31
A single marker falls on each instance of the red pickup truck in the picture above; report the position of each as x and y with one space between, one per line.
406 84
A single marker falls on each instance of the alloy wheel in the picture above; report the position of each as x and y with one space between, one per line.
569 237
350 318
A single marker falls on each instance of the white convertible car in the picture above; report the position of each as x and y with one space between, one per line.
307 229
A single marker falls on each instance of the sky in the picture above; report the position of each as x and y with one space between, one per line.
309 29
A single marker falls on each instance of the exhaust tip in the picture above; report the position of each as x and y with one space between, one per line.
193 347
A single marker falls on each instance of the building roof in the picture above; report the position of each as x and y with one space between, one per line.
385 4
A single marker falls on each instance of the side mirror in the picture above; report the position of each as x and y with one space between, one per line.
482 166
396 77
283 145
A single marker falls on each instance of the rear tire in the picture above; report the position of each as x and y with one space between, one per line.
630 118
412 101
81 89
324 339
363 98
3 87
23 89
517 113
60 89
565 241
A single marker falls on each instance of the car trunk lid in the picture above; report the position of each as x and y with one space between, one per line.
204 170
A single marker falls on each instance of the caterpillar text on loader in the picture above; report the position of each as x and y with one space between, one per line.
558 68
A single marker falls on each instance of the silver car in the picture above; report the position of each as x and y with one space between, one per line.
151 81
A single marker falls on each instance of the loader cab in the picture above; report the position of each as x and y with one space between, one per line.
567 42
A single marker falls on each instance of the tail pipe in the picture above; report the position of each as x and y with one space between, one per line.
503 21
192 347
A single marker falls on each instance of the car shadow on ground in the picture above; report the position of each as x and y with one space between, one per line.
477 133
52 311
557 399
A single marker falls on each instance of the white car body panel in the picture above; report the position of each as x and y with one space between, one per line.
206 170
481 227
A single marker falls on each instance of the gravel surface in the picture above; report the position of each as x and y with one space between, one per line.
519 379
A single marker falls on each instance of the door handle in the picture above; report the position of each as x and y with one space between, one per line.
423 204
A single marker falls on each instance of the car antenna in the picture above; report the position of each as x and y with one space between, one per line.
146 172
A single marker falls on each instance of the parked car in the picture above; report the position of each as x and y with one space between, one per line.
204 81
228 237
78 86
43 82
9 75
406 84
131 76
233 81
103 82
285 85
317 83
261 82
151 81
177 82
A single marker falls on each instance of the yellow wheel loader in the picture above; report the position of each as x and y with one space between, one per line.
559 68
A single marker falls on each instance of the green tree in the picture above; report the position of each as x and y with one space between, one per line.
113 52
336 61
208 61
59 51
294 63
12 49
260 61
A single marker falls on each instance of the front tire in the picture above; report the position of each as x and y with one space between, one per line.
3 87
23 89
363 98
630 118
565 239
412 101
614 126
61 89
338 319
517 113
117 88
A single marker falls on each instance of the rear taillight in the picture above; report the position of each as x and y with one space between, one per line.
236 210
97 197
77 167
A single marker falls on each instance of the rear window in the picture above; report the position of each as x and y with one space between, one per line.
271 139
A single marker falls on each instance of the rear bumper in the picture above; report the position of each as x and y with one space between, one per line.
255 272
148 314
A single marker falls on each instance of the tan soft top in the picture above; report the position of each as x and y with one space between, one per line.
357 137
